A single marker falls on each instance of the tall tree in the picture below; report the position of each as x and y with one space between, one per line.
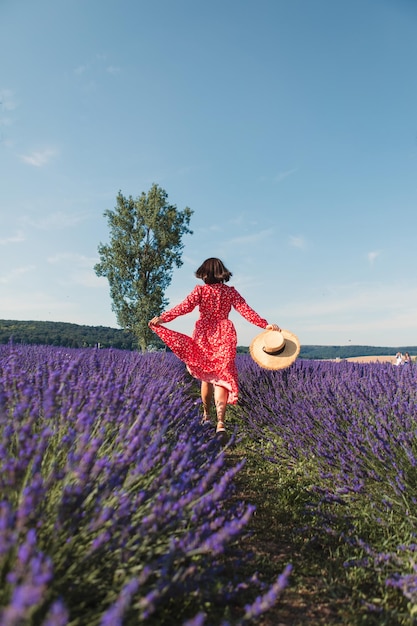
145 245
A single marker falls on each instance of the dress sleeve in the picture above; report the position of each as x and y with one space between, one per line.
184 307
246 311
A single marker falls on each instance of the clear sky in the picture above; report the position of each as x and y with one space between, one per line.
289 127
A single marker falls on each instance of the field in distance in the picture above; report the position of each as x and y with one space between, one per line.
372 359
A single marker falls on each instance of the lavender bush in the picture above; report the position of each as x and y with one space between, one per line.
352 430
115 504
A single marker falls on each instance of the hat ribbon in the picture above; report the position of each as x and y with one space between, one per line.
275 351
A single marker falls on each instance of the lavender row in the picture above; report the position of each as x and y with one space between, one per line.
115 505
352 428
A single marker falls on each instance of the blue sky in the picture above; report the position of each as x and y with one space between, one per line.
289 127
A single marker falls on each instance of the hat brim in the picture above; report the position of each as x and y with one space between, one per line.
278 361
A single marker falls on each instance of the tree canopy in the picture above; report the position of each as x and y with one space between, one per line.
65 334
145 245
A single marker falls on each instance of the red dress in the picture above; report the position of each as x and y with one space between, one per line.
211 351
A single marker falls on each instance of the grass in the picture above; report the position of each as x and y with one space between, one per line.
322 590
315 595
318 592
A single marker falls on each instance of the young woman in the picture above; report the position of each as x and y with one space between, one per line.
210 353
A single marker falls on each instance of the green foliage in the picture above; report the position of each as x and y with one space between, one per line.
145 245
65 335
287 527
346 352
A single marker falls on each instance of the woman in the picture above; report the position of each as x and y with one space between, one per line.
210 353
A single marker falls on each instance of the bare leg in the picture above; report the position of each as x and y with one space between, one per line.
220 400
206 397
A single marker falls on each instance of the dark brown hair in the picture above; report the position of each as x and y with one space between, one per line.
213 271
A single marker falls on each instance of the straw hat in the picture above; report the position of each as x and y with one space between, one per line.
274 350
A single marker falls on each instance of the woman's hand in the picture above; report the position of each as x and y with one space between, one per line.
155 321
273 327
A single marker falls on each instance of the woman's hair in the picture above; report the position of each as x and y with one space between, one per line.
213 271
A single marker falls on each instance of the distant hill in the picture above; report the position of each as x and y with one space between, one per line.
346 352
78 336
65 334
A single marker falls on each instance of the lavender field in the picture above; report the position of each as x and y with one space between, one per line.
349 432
117 507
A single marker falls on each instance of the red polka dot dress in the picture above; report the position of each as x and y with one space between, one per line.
211 351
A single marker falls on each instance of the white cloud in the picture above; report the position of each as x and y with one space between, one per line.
213 228
81 69
62 257
7 104
41 305
17 238
72 259
13 275
282 175
56 221
7 100
40 158
244 219
5 121
98 62
359 312
35 305
372 256
250 239
88 278
297 241
79 270
352 298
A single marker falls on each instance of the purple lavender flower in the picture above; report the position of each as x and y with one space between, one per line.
114 615
105 473
57 615
268 600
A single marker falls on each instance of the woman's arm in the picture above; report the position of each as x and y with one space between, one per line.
250 314
184 307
